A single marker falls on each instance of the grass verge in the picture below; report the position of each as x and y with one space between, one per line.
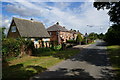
114 54
28 66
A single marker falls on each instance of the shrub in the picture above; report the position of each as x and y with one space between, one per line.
42 50
79 39
71 41
57 47
11 47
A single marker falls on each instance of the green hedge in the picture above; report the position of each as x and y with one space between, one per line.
71 41
11 47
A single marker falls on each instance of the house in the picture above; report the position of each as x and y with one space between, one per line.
75 33
60 34
28 29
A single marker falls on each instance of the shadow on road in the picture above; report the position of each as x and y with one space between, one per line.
65 74
95 55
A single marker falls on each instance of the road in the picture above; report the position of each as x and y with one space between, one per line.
92 63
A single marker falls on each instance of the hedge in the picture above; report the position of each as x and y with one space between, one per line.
11 47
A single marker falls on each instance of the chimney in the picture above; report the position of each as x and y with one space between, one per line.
57 23
63 26
31 19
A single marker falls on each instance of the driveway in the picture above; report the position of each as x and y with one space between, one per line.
91 63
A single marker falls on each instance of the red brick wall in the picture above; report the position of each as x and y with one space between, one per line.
53 35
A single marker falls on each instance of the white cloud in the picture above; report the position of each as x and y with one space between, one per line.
77 18
50 0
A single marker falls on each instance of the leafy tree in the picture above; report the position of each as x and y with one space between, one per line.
113 35
113 7
2 34
79 39
101 36
93 36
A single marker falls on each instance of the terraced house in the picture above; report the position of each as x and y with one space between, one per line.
29 29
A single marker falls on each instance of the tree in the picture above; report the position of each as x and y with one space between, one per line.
113 7
93 36
79 39
113 35
101 36
2 30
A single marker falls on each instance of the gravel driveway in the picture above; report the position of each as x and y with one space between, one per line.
91 63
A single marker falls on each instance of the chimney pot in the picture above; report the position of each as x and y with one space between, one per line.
31 19
57 23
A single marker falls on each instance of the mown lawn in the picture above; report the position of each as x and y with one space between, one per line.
114 54
28 66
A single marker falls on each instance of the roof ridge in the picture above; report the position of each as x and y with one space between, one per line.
26 19
56 27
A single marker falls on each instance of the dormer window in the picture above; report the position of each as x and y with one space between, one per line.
13 29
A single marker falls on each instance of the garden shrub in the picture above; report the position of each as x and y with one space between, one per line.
71 41
79 39
42 51
11 46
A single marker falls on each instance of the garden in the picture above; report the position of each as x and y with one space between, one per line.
21 60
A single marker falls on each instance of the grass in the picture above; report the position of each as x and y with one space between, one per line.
28 66
114 54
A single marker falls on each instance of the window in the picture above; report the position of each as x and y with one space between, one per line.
50 33
13 29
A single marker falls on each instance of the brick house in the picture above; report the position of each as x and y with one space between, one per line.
28 29
74 34
61 34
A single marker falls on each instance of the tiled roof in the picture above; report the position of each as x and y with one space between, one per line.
30 28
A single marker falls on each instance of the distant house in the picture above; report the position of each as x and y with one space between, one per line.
57 33
75 33
28 29
61 34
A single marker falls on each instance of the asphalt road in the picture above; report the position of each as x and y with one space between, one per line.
91 63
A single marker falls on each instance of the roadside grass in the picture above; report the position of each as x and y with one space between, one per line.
114 54
28 66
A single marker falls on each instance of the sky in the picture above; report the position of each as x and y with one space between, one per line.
80 16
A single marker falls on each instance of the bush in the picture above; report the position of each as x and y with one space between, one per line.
56 48
79 39
11 47
42 50
71 41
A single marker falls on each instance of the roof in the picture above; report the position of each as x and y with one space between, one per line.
30 28
56 27
75 32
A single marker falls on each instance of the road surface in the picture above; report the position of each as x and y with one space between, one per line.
91 63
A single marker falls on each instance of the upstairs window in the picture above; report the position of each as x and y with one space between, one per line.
13 29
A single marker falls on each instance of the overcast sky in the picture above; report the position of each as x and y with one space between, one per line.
72 15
